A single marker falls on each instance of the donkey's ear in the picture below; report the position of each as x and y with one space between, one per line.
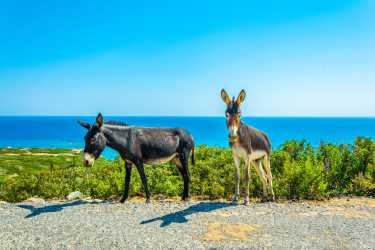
84 124
241 97
99 120
225 97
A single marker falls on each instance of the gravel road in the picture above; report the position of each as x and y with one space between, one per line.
82 224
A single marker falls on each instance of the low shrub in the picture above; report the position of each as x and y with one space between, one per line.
299 171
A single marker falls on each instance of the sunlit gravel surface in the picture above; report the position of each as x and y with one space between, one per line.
82 224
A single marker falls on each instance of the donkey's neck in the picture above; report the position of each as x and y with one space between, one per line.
117 136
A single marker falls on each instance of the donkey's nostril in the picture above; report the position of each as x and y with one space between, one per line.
86 162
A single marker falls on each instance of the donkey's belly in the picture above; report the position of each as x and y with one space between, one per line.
160 160
240 152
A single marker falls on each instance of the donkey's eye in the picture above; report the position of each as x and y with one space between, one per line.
227 115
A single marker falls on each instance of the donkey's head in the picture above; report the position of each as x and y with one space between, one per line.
233 113
95 141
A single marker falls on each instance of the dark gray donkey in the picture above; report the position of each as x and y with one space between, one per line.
248 143
138 146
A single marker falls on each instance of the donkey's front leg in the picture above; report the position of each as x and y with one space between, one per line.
128 169
267 167
237 163
141 172
247 182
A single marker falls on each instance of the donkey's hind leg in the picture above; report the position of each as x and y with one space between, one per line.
141 172
267 166
262 176
183 167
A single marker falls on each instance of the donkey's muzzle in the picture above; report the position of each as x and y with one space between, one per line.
88 160
233 139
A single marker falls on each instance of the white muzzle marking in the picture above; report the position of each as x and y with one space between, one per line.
233 131
89 159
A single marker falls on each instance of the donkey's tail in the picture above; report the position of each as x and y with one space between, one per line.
192 156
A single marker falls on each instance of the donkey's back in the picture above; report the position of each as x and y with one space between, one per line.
161 142
253 139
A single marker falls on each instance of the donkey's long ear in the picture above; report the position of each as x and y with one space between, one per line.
99 120
241 97
84 124
225 97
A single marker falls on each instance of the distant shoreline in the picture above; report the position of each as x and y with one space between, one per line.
195 116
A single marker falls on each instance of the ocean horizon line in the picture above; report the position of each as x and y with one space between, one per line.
193 116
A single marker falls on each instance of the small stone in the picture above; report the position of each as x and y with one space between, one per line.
74 195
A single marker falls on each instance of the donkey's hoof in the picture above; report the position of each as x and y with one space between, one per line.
264 199
246 202
234 199
122 199
148 201
186 199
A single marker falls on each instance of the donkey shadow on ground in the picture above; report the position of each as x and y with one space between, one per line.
180 216
35 211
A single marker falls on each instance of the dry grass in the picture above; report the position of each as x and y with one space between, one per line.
370 202
344 201
351 208
217 231
350 213
27 152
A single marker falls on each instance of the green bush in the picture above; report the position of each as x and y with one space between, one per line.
301 179
363 186
299 171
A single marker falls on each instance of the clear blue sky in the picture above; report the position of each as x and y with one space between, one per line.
294 58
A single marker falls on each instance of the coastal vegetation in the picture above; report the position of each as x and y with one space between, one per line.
300 172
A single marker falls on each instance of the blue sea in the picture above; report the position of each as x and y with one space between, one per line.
64 132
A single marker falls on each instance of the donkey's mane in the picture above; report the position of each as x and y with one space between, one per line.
116 123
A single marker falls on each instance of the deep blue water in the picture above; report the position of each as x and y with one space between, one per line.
64 132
